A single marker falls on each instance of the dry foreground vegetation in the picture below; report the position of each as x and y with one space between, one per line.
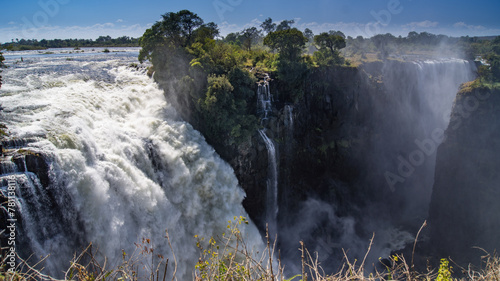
228 258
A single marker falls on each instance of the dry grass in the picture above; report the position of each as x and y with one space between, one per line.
228 258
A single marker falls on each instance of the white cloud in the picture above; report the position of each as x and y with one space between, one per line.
225 28
119 20
422 24
254 22
103 25
12 22
463 25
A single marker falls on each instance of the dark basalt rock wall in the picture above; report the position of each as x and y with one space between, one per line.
465 209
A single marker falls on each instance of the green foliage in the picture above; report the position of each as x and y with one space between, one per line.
285 25
293 74
490 73
383 44
263 60
332 41
328 45
205 78
494 70
249 35
309 35
289 43
216 57
224 108
268 26
246 39
173 31
291 68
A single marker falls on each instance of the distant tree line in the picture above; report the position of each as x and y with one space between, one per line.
386 45
102 41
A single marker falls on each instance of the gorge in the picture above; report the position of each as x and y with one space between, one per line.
349 133
101 154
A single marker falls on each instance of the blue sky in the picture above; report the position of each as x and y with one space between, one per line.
49 19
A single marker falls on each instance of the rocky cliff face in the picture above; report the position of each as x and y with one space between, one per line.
464 211
336 146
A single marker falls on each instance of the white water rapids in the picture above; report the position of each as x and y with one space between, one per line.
122 166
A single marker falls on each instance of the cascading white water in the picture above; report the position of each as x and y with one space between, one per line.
427 90
438 82
264 100
424 92
264 106
122 166
272 185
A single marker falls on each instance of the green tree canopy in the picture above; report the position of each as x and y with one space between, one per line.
290 67
288 42
284 25
174 30
309 35
249 35
332 41
329 44
268 26
384 44
205 32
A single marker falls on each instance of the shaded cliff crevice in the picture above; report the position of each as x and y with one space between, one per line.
464 210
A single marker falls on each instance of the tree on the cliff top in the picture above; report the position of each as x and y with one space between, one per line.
284 25
173 31
291 68
268 26
330 40
249 35
329 44
289 43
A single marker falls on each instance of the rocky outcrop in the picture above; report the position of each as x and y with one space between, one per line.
16 160
34 163
249 162
465 210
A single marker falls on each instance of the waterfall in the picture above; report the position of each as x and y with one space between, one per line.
272 185
122 166
438 82
411 101
264 99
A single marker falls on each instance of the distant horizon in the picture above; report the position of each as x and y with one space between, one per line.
94 39
70 19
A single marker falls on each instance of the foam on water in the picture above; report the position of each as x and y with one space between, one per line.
122 166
